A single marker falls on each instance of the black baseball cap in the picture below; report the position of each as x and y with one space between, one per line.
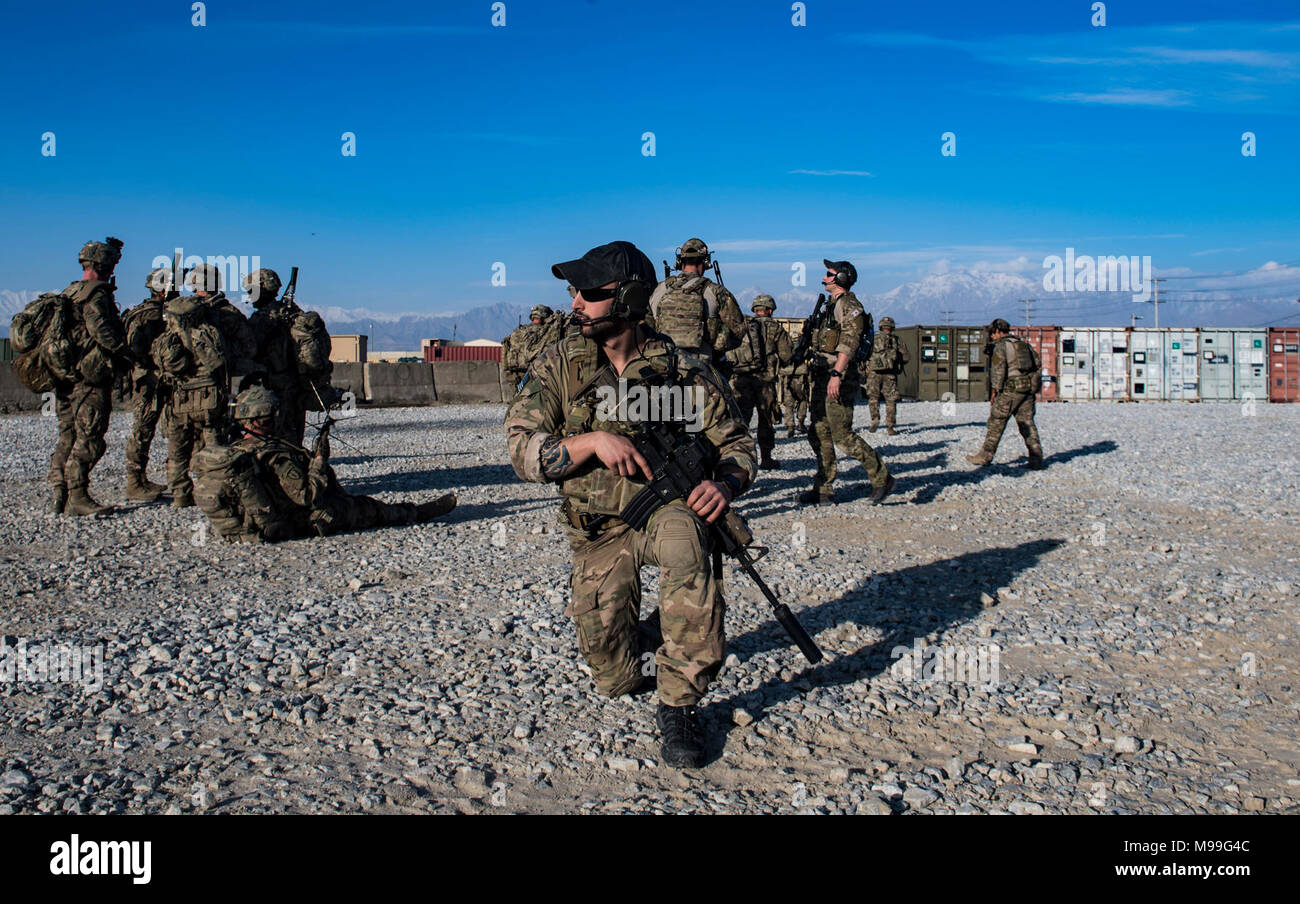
843 267
615 262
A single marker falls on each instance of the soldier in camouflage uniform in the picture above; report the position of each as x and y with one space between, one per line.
239 343
557 432
277 353
834 390
83 406
264 488
1013 380
144 324
763 350
795 404
699 315
888 358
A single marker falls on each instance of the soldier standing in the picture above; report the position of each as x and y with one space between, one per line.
795 376
263 488
277 353
238 343
144 324
754 363
84 404
700 316
888 358
557 432
834 390
516 348
1013 379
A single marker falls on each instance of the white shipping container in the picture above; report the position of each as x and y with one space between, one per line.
1217 365
1250 356
1110 368
1182 365
1075 362
1146 368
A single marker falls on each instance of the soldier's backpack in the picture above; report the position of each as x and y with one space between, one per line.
44 338
143 323
750 356
683 312
313 342
885 359
227 488
1029 366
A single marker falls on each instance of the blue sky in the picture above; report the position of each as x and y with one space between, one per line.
523 144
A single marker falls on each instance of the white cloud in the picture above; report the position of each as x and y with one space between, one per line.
833 172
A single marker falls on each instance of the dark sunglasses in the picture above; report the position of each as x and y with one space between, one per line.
598 294
830 273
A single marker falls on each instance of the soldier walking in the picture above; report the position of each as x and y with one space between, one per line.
558 432
834 390
764 349
1014 377
888 358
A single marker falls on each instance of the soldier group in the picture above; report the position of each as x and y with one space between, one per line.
686 334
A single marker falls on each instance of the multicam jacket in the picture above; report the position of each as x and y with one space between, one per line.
1012 366
841 330
717 324
881 346
98 332
561 397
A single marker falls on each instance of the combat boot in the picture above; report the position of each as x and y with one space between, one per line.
873 427
879 493
140 489
182 498
816 496
683 737
979 459
769 463
58 500
1035 462
427 511
890 431
81 503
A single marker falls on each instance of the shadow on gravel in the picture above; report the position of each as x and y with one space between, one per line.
438 478
905 429
930 598
1101 448
930 486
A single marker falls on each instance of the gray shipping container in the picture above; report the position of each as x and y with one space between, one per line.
934 366
1146 367
1218 366
1250 355
1075 362
1110 363
1182 365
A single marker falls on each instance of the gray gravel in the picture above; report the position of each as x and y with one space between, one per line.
1139 594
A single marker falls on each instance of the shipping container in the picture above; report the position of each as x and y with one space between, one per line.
1110 353
1217 366
934 371
1076 364
6 350
1250 355
1146 364
1284 364
434 353
1182 365
910 338
1044 340
970 380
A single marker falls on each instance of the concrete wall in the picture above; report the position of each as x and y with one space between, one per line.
350 375
467 381
14 396
400 384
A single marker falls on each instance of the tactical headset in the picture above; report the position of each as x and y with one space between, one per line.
631 301
706 259
845 275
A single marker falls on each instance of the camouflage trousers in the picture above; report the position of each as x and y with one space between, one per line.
606 605
195 419
150 401
754 394
341 512
83 411
832 425
796 402
883 386
1006 405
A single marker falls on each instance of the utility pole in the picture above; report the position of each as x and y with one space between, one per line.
947 318
1155 298
1134 324
1027 302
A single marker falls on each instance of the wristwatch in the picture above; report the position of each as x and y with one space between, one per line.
836 373
733 483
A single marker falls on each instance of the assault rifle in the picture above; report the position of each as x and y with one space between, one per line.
803 348
668 271
322 444
717 274
679 462
289 290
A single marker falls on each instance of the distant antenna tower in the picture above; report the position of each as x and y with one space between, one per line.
947 318
1028 303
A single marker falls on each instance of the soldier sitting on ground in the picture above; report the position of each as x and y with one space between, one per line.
264 488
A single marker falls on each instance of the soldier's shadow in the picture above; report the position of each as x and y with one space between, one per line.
941 427
434 479
927 488
905 604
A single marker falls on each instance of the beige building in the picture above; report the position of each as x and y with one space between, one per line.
348 349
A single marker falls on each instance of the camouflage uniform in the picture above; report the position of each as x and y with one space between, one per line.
514 352
605 583
795 376
527 342
768 346
83 407
276 353
144 324
882 381
832 419
707 328
1012 385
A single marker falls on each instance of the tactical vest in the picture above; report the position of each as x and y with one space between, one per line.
1022 365
885 356
685 314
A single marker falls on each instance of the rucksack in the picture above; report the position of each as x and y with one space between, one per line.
886 359
143 323
44 336
750 356
683 311
227 484
313 342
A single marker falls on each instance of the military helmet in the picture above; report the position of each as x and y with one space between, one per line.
255 401
999 326
203 277
262 284
542 311
695 251
159 280
101 255
181 306
886 323
763 301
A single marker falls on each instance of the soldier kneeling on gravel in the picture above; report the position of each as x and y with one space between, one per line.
264 488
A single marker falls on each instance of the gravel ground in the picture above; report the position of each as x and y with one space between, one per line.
1131 609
